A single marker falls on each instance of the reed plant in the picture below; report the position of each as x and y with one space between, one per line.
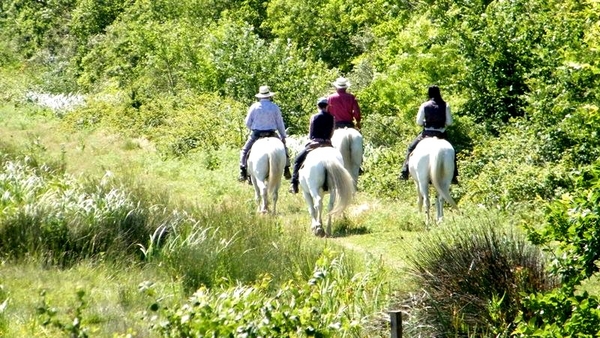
474 275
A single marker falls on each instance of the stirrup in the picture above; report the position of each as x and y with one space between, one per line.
287 174
243 175
403 176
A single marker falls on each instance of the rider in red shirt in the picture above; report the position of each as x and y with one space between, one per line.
343 105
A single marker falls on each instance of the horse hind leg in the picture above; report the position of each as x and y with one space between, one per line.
317 225
331 204
263 197
257 196
275 195
314 215
440 207
423 197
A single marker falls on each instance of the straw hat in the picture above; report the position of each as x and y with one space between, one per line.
264 92
341 82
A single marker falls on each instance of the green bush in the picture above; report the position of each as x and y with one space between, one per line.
333 303
570 234
509 169
475 275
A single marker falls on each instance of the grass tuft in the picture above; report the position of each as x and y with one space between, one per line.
474 274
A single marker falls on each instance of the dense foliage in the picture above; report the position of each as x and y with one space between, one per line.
332 303
521 76
520 72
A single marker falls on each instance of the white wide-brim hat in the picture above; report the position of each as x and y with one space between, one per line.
264 92
341 82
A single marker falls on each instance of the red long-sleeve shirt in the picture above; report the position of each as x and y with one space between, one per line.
344 107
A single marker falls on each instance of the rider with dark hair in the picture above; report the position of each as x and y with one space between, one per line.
320 132
434 115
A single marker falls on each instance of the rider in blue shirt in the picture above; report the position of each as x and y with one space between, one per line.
320 132
263 119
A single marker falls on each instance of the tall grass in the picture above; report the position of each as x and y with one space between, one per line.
55 217
474 275
226 243
334 302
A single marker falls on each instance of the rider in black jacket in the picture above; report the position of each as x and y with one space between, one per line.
434 115
320 132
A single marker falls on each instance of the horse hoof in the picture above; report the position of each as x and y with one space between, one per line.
319 232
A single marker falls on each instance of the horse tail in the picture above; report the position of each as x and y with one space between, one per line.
356 149
340 183
349 142
442 169
276 165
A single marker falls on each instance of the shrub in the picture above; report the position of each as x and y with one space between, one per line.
509 169
334 302
571 234
474 277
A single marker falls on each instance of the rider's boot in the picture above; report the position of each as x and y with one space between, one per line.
454 180
294 187
455 175
286 173
243 175
403 173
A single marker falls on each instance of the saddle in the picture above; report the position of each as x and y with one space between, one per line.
434 133
268 133
314 144
339 125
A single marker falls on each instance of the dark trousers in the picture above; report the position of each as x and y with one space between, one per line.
413 145
344 124
302 156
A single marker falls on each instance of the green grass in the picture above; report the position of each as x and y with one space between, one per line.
372 228
111 291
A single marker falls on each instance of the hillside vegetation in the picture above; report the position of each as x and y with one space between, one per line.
137 171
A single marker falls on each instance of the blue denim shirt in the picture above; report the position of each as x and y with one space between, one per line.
265 115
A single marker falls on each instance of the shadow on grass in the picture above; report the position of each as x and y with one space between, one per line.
346 227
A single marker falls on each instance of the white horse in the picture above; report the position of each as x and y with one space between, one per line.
265 168
432 161
349 142
324 166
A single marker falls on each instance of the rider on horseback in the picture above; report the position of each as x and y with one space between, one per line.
343 105
321 130
264 117
434 115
